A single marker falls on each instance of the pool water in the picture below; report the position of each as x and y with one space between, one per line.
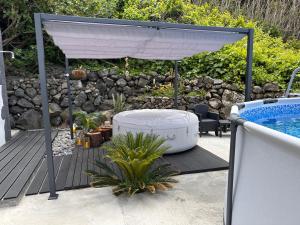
283 118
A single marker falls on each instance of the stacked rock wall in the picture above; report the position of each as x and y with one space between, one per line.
94 94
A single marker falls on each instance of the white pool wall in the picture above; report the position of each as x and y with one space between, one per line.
267 173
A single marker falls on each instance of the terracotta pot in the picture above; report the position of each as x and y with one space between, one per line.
106 133
78 74
96 139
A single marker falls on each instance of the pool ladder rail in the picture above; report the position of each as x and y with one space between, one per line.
288 90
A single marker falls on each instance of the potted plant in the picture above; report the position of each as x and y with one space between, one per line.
78 74
90 123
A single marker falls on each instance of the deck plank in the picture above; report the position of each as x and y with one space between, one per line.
196 160
10 143
90 163
70 176
77 173
63 172
56 162
38 180
84 167
15 152
16 180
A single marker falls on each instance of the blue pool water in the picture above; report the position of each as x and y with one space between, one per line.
283 118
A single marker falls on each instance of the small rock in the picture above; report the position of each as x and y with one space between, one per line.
121 82
92 76
76 84
25 103
57 97
208 96
80 99
98 100
142 82
217 82
109 82
257 90
54 109
37 100
31 92
88 107
101 86
65 102
12 100
30 119
64 85
127 90
16 109
271 87
19 92
215 103
53 92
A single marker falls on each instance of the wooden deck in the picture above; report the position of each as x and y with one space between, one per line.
19 159
23 167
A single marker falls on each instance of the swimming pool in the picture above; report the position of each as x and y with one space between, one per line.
284 118
264 178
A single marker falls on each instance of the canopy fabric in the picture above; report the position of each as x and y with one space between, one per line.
111 41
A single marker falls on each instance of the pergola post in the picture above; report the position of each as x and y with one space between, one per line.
248 80
45 106
67 75
176 86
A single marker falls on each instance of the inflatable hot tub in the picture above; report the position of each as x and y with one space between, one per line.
179 128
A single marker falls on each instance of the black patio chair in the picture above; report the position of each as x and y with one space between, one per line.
208 121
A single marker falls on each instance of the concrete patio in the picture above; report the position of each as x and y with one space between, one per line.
196 199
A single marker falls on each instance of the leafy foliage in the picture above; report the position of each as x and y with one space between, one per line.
166 90
200 93
274 59
134 155
90 121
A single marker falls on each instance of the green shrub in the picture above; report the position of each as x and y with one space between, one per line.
166 90
274 59
134 155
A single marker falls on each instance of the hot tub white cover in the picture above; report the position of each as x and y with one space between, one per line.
179 128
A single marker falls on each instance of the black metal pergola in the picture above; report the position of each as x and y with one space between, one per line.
40 18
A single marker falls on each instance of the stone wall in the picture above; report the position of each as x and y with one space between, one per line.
94 94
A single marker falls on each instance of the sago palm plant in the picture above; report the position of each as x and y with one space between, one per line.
134 155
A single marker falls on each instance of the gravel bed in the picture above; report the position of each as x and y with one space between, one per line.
63 144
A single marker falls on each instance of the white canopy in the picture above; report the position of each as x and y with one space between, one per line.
110 41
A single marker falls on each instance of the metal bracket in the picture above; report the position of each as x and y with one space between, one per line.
53 197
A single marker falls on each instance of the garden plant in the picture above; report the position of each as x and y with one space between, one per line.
135 157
